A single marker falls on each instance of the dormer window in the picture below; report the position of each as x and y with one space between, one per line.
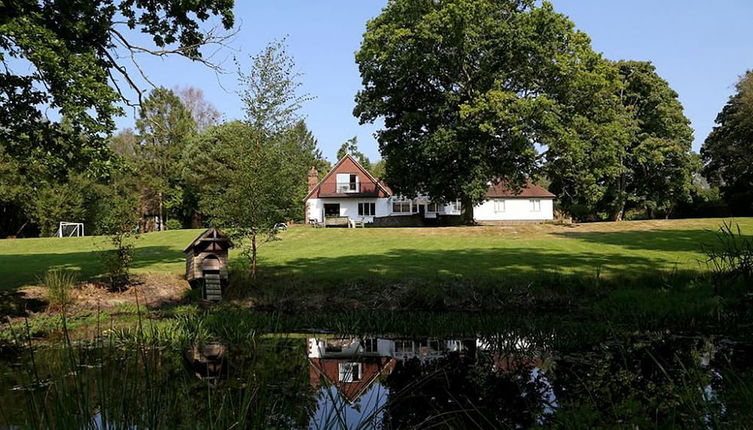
347 183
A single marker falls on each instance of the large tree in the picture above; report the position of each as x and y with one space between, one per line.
270 91
728 150
643 161
467 88
165 126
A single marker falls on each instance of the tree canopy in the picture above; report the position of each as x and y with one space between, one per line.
467 89
643 160
270 90
67 68
728 150
470 91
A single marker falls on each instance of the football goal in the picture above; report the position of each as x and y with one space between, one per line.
70 229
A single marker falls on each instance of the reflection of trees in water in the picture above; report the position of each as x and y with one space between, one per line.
462 390
659 381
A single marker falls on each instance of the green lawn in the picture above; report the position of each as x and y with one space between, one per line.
343 255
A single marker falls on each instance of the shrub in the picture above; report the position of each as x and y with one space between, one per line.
173 224
59 284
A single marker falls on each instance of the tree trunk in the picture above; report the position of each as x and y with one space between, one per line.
253 255
619 212
466 212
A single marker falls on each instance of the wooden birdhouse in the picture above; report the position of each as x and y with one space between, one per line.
206 263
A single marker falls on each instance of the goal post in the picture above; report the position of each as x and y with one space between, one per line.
70 229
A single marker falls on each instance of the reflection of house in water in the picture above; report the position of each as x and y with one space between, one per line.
351 365
364 373
354 364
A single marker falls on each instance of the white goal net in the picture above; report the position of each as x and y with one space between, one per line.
70 229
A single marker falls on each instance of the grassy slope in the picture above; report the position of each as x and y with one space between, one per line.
340 255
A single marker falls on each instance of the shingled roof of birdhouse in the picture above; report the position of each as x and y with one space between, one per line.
212 234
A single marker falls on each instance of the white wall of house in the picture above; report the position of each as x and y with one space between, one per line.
349 208
510 209
515 209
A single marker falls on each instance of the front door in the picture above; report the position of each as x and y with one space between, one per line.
332 209
422 210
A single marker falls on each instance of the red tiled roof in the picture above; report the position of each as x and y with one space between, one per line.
528 190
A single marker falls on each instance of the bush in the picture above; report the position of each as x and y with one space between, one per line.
59 284
173 224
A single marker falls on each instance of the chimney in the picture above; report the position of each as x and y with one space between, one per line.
313 178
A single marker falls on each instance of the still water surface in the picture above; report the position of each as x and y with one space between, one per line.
383 381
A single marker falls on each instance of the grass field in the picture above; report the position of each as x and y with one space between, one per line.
345 255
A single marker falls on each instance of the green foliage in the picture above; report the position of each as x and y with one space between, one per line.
467 88
173 224
728 150
58 284
70 49
246 184
299 147
644 163
379 169
120 222
165 126
270 90
63 77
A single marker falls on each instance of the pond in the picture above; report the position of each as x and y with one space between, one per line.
390 381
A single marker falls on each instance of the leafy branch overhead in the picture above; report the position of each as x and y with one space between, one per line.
70 59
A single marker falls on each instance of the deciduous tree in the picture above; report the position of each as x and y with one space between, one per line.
244 181
728 151
202 110
270 90
467 89
643 160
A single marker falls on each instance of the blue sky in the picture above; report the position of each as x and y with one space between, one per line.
700 47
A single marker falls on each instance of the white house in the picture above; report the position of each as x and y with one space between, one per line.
348 191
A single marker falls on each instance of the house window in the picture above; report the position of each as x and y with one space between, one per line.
369 345
367 209
536 205
456 206
499 206
401 206
350 372
347 183
433 207
404 346
331 209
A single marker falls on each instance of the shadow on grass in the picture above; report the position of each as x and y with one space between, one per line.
17 270
499 264
649 240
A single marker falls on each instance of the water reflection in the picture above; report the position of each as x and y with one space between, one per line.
404 382
279 381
